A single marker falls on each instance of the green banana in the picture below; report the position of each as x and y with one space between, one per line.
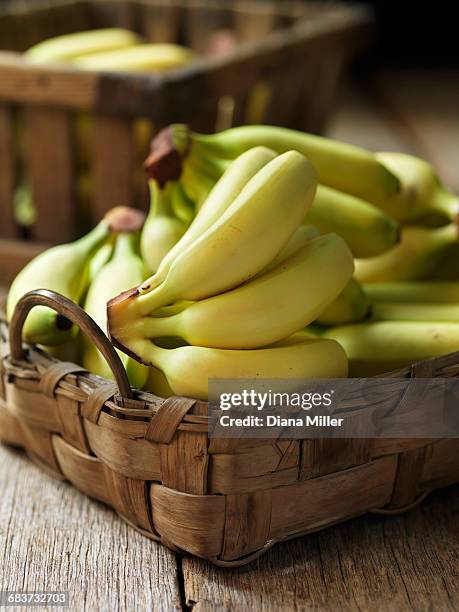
414 258
377 347
390 311
339 165
266 213
162 230
99 259
64 269
366 229
221 197
124 270
189 368
351 305
68 47
157 57
157 383
415 292
421 194
181 205
266 309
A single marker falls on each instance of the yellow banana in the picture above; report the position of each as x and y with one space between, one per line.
71 46
351 305
376 347
124 270
366 229
156 57
65 269
415 292
266 309
162 230
302 236
414 258
339 165
221 197
265 215
189 368
421 191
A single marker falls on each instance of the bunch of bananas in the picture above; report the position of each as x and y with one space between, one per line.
110 49
266 253
397 218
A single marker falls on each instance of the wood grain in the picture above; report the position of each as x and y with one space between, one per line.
382 564
54 538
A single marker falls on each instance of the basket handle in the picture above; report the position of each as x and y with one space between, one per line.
66 308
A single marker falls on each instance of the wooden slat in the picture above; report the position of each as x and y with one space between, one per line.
49 162
14 254
112 164
160 23
8 227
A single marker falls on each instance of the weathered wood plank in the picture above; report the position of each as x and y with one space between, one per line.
49 168
382 564
7 151
54 538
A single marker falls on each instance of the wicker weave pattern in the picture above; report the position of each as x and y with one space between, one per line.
225 500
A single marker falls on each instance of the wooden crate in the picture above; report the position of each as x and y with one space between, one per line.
293 53
227 500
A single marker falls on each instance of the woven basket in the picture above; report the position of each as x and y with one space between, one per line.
152 461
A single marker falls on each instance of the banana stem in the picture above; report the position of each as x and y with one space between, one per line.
125 245
159 200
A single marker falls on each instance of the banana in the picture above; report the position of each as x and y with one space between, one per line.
99 259
181 205
157 383
339 165
302 236
421 193
68 47
222 195
189 368
139 58
390 311
162 230
366 229
414 258
377 347
415 292
69 351
64 269
253 229
351 305
124 270
266 309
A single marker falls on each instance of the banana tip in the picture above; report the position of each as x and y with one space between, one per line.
124 219
165 160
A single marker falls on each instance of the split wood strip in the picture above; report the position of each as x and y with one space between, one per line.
48 152
8 226
112 164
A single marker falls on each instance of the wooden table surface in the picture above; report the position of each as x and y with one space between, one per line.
54 538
